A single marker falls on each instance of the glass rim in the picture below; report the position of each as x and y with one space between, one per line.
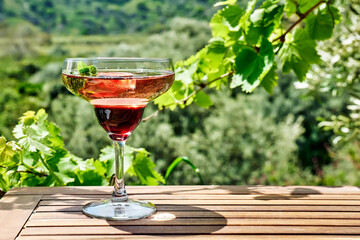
120 59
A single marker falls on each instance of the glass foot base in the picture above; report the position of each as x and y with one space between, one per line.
116 210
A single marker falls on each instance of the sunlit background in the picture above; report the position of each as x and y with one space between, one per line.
242 139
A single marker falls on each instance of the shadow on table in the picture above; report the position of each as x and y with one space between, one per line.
190 220
261 192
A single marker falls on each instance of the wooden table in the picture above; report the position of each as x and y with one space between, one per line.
187 212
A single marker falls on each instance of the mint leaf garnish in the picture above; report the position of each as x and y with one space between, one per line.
92 70
85 70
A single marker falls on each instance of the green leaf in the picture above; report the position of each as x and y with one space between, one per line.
65 178
55 138
269 3
55 157
298 53
7 150
83 69
251 67
92 70
232 15
321 25
217 46
218 29
270 80
212 62
67 165
176 162
107 156
250 7
91 178
305 5
186 74
228 2
143 167
33 145
203 100
263 22
3 185
35 133
290 7
28 118
248 68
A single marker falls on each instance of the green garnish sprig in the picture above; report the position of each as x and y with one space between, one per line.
85 70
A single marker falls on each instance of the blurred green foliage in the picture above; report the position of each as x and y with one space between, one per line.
339 76
38 158
243 138
86 17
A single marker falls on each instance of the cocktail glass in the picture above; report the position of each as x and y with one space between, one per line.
119 89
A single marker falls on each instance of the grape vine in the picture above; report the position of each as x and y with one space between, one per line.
249 46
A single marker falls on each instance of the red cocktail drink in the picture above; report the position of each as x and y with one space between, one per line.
119 89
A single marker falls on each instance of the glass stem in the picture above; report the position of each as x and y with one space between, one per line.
119 193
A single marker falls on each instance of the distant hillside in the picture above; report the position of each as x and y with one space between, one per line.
87 17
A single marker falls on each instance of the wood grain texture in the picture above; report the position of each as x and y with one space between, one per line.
199 202
112 230
194 222
198 190
207 197
193 212
195 237
14 212
255 208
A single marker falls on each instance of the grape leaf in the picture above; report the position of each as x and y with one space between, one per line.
298 53
107 156
263 22
290 7
251 67
211 63
320 26
250 7
7 150
248 67
203 100
218 29
55 157
33 145
28 118
67 165
305 5
65 179
55 138
232 15
90 177
269 3
186 74
143 167
270 80
227 2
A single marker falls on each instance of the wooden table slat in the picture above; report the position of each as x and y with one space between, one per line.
198 189
187 212
248 208
267 215
205 197
195 237
195 222
14 212
189 230
81 202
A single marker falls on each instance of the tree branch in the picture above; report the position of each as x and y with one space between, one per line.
201 87
302 17
34 173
